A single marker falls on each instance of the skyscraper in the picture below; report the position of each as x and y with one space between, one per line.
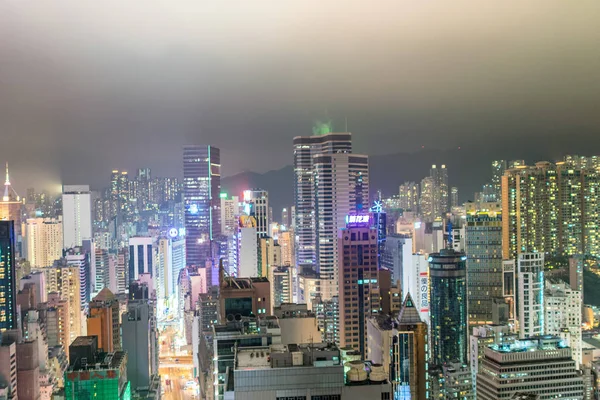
77 215
484 265
64 280
454 197
359 296
439 177
44 241
341 185
305 148
230 213
426 199
141 257
498 168
10 209
530 299
8 284
562 315
448 308
551 208
409 196
256 204
201 191
104 321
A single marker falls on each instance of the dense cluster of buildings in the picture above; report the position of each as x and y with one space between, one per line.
344 296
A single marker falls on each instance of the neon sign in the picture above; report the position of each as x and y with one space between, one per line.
357 219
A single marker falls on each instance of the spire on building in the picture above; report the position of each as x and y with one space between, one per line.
409 313
9 192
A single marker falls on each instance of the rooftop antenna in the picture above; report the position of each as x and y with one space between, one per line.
346 120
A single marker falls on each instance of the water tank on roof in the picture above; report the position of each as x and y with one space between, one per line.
297 359
377 373
357 371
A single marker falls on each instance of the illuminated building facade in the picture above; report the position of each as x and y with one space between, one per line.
104 321
551 208
77 215
64 280
448 307
484 265
359 296
44 241
8 283
303 213
141 257
256 204
408 198
230 212
341 189
426 199
441 192
562 315
201 197
530 299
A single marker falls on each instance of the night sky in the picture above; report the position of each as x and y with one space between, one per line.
86 87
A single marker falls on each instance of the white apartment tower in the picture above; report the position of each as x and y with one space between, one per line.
77 215
562 315
530 277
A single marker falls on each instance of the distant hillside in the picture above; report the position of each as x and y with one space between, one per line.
468 169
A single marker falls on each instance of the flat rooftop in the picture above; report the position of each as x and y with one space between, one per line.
254 358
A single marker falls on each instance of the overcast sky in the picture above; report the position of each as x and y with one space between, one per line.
86 86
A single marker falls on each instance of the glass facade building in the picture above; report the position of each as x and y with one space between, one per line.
8 294
202 204
448 306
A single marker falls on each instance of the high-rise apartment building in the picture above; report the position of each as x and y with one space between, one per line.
202 203
498 168
530 299
341 190
454 197
103 321
58 322
562 316
484 265
359 295
426 199
409 196
441 192
8 367
64 280
304 221
77 215
44 241
102 262
8 278
551 208
286 241
448 307
539 366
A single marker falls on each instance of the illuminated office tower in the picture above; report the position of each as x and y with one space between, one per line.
359 296
230 212
44 241
171 260
539 368
269 256
281 285
410 354
285 217
409 196
530 299
341 189
484 265
103 321
10 209
77 215
426 200
201 191
122 271
81 258
64 280
448 308
8 279
293 217
256 204
303 212
439 177
247 248
562 316
141 257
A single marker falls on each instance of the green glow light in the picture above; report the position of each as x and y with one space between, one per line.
322 128
223 195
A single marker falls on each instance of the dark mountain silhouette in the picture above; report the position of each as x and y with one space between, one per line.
468 169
